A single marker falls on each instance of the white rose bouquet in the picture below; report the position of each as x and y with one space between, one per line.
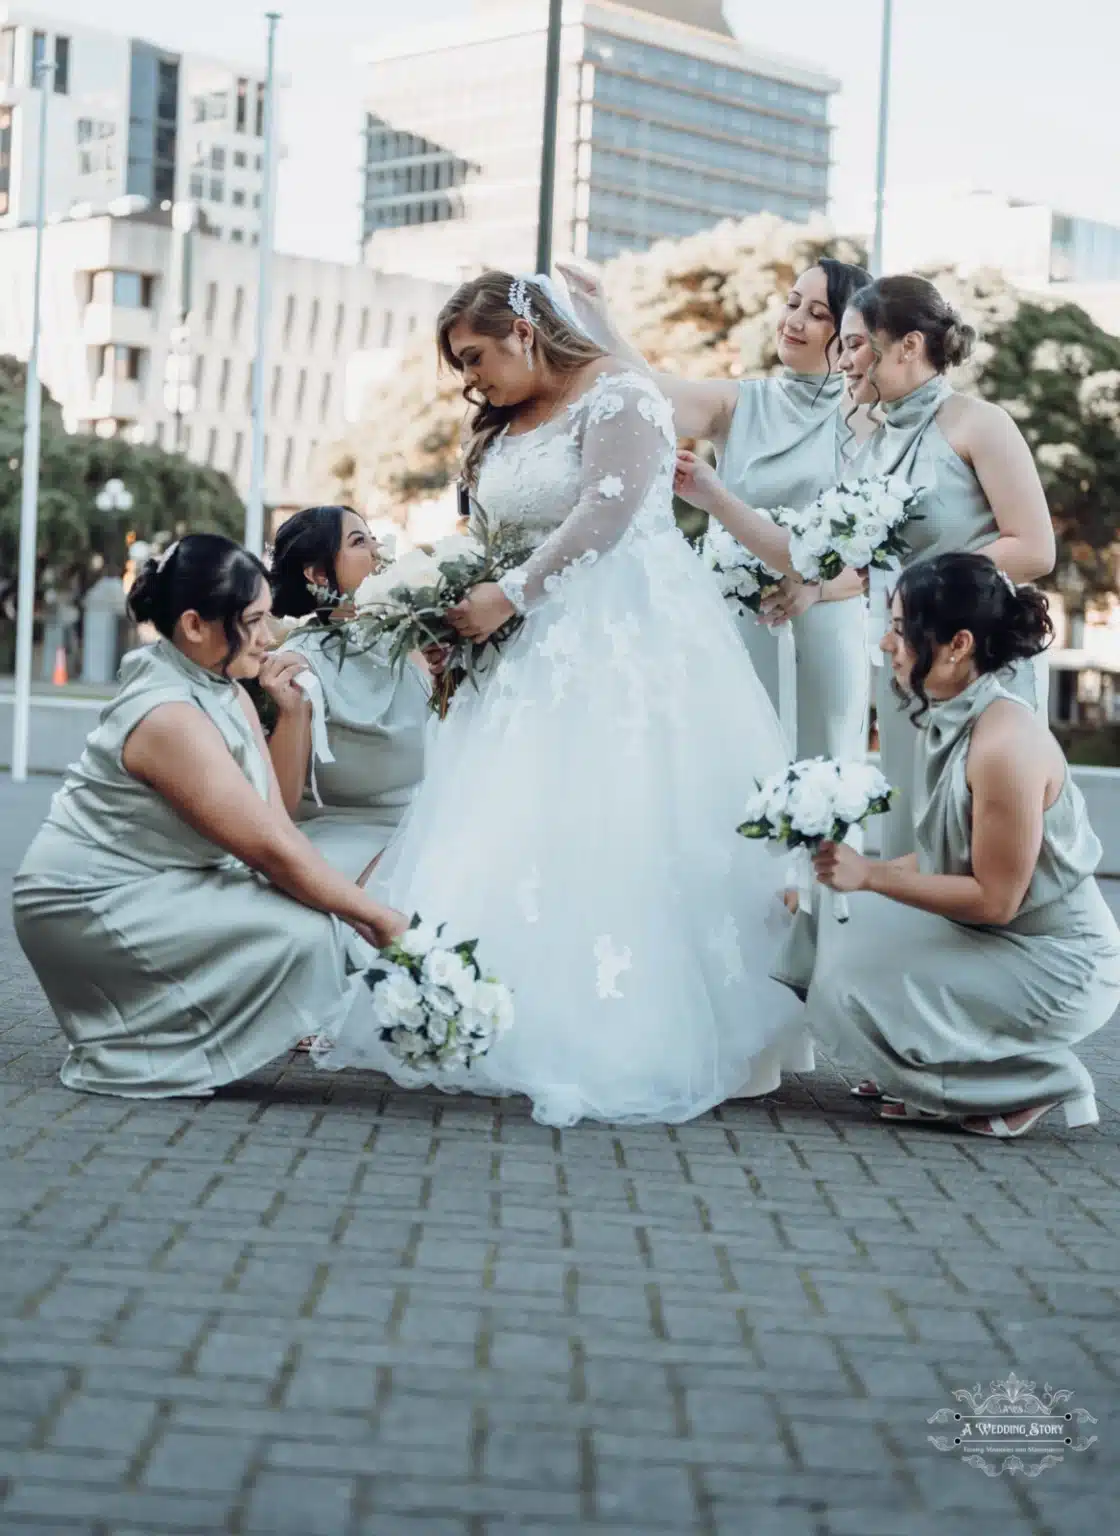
815 801
857 524
432 1005
406 605
744 579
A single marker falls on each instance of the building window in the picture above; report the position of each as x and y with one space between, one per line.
339 323
62 65
198 185
387 329
223 383
126 290
363 329
199 371
256 199
313 323
217 189
312 449
158 438
6 115
289 451
249 386
217 158
237 236
237 198
325 398
259 126
240 159
38 55
277 386
301 390
211 306
242 105
121 363
289 318
238 450
212 448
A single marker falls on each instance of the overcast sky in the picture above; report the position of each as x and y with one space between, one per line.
981 92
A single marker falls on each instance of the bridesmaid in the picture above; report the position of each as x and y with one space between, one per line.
982 490
184 932
1005 953
781 441
376 717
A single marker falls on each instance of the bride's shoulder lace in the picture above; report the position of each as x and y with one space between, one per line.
614 392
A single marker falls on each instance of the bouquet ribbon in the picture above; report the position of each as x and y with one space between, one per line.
880 579
320 745
787 685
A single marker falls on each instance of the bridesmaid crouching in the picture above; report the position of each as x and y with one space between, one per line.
376 718
184 931
1008 955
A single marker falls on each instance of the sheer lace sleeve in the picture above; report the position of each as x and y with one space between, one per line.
627 439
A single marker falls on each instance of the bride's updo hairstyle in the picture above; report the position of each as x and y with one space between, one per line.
955 592
204 573
898 306
484 305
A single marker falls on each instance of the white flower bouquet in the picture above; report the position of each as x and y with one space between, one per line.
432 1005
815 801
745 581
406 604
856 524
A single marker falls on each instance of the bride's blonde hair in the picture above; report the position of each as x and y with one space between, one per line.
484 304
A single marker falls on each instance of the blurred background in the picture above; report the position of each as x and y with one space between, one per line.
240 263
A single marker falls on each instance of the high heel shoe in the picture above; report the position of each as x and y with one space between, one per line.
1079 1111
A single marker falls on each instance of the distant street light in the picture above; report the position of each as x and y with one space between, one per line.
114 496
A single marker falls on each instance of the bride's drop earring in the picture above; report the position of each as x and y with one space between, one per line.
527 348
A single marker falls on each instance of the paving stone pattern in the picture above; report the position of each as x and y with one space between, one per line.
321 1306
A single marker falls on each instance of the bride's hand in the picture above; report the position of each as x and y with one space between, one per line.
484 610
694 480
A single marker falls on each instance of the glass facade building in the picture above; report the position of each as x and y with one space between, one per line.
664 129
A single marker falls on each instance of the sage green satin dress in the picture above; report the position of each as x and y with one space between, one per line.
377 720
961 1019
171 967
953 515
787 443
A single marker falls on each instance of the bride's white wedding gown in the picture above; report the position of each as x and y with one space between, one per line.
579 810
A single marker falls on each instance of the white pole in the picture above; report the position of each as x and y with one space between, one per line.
29 500
254 510
881 150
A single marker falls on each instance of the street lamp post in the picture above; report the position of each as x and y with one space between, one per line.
548 143
254 509
881 149
29 498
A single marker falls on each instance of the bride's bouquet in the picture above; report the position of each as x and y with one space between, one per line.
745 581
432 1005
815 801
405 606
856 524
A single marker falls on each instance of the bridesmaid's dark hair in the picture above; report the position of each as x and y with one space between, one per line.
940 597
205 573
897 306
843 279
309 540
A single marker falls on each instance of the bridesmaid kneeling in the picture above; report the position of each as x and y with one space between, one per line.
184 931
1008 954
376 717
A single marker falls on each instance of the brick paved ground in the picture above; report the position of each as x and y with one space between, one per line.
318 1307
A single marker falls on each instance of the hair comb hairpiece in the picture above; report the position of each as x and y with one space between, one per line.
166 556
519 300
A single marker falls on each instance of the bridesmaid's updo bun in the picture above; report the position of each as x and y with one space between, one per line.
955 592
898 306
204 573
308 540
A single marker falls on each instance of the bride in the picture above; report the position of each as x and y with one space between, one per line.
580 806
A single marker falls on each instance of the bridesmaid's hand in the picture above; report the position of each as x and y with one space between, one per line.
841 868
278 679
589 300
694 480
383 929
792 600
482 613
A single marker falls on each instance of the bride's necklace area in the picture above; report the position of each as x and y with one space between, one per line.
552 411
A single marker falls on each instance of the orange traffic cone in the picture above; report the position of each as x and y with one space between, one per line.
59 676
